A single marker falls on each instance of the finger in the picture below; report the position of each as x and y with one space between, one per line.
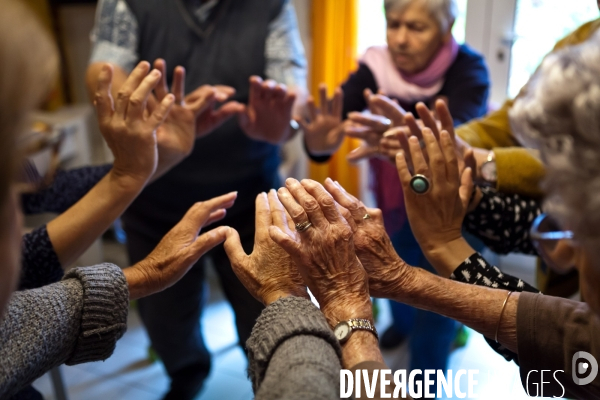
326 202
199 213
312 109
102 98
437 162
162 111
208 241
139 97
337 106
162 89
309 203
215 216
378 123
403 172
178 88
234 250
469 160
280 92
285 241
414 127
291 206
263 212
449 153
268 90
347 216
255 90
205 100
419 164
466 187
443 113
362 153
323 99
131 83
279 216
224 92
389 109
428 119
367 94
346 200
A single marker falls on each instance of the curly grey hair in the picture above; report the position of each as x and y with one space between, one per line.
443 11
560 115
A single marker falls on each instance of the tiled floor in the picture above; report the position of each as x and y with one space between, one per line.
129 375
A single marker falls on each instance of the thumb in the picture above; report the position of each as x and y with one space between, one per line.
466 187
284 241
208 241
233 247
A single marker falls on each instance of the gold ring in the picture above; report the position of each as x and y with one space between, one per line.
303 226
367 216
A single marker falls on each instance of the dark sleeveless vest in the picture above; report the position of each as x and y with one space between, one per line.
226 50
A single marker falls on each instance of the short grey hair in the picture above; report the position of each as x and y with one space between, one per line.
559 113
443 11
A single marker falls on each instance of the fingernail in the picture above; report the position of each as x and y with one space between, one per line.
155 73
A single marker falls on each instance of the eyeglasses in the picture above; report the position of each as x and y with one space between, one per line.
545 233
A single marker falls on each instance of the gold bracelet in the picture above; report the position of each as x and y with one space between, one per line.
502 312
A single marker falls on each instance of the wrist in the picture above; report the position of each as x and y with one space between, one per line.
447 256
272 296
346 309
361 346
126 182
137 282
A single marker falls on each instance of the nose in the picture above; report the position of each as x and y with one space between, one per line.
402 36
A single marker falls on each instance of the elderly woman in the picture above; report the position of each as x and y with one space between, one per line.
79 318
422 62
559 117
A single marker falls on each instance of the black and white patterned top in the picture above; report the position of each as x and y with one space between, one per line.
502 221
475 270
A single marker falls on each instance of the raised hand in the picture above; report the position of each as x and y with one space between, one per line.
268 272
180 248
323 131
191 117
268 113
324 252
126 126
386 270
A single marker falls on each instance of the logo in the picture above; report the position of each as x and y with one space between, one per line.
582 368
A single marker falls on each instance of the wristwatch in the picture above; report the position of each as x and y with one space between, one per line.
344 329
488 170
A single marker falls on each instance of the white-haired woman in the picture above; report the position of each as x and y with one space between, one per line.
422 62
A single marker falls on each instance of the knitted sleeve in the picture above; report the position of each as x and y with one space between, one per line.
292 353
76 320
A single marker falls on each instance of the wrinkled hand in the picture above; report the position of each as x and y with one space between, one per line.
435 217
191 117
180 248
269 111
324 253
387 271
130 135
269 272
323 133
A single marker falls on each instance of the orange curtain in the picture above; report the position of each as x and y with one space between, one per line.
334 33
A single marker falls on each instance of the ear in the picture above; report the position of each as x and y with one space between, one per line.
565 256
448 35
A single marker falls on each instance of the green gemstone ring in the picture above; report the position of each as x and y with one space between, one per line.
420 184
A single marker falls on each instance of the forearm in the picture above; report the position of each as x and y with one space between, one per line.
478 307
72 232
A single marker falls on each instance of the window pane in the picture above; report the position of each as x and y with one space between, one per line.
371 24
539 24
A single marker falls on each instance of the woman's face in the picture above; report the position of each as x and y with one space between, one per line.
413 37
10 248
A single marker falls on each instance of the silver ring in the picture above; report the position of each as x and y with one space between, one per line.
420 184
303 226
367 216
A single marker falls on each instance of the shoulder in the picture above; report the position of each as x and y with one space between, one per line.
579 35
469 64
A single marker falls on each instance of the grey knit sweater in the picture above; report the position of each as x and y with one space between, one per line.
293 354
76 320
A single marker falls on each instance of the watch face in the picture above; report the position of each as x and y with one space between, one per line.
489 171
341 331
